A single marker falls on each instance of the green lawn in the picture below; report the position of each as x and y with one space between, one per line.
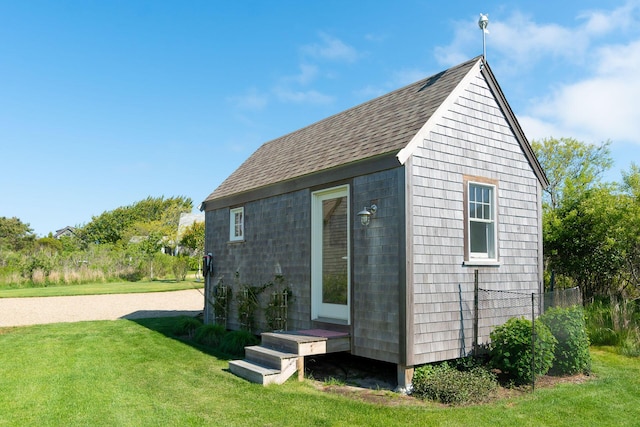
126 373
100 288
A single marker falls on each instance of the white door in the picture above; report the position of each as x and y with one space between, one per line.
330 267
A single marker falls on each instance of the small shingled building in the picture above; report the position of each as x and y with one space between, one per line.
381 218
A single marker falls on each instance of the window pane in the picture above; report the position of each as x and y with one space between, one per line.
334 251
478 237
238 224
491 250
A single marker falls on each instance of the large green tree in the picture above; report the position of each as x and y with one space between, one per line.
120 224
583 240
15 235
591 228
571 166
193 237
631 229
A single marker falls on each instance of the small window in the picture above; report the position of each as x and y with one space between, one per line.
236 224
481 227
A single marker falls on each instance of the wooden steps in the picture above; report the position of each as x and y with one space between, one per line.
281 354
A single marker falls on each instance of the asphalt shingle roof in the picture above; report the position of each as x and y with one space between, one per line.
377 127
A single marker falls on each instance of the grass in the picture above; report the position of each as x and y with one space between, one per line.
101 289
130 373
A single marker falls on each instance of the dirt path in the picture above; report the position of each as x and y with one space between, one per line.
39 310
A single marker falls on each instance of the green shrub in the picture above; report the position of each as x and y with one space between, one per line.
233 343
187 326
446 384
510 349
572 350
180 267
210 335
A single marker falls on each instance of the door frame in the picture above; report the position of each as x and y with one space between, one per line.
331 313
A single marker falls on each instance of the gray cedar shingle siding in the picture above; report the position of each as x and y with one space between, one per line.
473 138
276 232
376 266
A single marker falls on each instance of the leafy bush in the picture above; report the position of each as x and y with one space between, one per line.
187 326
233 343
38 264
510 349
572 350
210 335
446 384
180 267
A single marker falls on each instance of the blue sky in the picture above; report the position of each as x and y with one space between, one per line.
103 103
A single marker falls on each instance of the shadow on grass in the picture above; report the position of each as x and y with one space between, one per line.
169 324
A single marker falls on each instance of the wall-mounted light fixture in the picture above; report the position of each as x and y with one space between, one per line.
365 214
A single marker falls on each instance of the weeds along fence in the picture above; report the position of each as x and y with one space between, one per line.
494 307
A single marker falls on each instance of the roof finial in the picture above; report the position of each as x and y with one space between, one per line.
483 22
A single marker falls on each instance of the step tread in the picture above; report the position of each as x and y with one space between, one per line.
272 352
255 367
300 339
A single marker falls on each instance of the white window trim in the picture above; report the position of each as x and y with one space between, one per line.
233 225
482 258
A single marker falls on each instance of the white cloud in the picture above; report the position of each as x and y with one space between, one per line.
307 74
605 105
601 22
522 40
301 97
251 100
466 34
331 48
374 37
535 128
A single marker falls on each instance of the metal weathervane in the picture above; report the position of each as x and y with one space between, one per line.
483 22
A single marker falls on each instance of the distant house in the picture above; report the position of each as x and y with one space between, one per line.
187 220
66 231
380 216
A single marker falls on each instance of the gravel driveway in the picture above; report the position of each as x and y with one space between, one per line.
39 310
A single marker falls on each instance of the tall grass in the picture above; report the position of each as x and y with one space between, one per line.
615 323
94 265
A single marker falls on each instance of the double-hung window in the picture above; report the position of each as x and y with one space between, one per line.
236 224
481 221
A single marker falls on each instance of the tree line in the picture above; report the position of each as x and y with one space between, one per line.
129 242
591 227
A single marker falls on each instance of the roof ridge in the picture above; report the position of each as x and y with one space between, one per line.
405 87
